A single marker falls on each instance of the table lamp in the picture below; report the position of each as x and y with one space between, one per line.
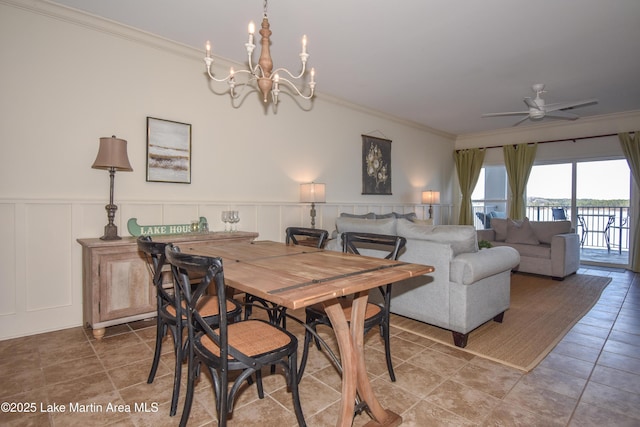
112 156
430 198
312 193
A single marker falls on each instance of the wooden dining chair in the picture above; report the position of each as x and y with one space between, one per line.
375 314
313 237
245 346
167 315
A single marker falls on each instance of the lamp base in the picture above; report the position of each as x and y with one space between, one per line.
313 215
110 232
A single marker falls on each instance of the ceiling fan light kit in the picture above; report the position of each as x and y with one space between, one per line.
538 109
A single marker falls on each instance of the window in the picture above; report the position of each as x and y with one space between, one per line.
489 198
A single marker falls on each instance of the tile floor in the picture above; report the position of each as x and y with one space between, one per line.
592 378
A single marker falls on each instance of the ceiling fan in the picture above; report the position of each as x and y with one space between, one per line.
539 110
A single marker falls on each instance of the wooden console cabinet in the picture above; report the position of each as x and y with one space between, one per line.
116 282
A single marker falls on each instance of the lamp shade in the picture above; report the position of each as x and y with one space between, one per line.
312 193
430 197
112 154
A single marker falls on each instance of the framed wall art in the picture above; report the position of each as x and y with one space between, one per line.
376 165
168 151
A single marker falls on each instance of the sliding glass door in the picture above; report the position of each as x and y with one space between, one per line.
595 196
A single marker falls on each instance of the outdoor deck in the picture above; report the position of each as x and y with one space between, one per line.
600 256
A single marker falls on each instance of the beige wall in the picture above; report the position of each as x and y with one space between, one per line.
69 79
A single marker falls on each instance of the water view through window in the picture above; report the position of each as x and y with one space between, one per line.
593 195
596 201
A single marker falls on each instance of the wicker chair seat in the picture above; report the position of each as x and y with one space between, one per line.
251 337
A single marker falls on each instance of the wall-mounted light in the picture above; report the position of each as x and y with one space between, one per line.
312 193
430 198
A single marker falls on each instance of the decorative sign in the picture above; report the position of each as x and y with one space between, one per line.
157 230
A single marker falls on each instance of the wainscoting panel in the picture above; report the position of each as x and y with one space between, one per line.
269 222
7 259
41 261
48 282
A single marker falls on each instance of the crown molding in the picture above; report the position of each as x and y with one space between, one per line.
627 121
116 29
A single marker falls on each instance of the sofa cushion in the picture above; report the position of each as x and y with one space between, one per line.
545 230
462 238
521 232
423 221
378 226
529 251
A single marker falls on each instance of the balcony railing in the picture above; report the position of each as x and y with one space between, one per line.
594 233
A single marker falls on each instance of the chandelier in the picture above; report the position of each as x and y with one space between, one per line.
267 79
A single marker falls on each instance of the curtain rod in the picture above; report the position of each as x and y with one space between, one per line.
557 140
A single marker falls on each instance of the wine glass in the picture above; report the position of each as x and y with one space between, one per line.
235 219
225 218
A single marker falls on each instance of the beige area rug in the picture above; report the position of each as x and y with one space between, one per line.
542 311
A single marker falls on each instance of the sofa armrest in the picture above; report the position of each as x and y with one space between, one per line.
489 235
473 266
565 254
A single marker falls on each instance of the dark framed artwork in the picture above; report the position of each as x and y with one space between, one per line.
168 151
376 165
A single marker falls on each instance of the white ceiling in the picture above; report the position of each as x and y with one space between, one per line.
438 63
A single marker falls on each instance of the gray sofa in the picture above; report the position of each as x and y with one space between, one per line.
548 248
468 287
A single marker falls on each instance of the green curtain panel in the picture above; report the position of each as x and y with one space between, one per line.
468 166
631 149
518 159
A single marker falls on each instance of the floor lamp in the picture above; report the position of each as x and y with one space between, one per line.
112 156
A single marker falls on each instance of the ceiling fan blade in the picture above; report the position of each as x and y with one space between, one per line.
509 113
562 115
565 105
521 121
531 103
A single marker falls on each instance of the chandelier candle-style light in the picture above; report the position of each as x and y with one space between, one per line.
268 80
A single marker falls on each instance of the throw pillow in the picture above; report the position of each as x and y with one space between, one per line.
545 230
462 238
369 215
491 215
378 226
410 216
383 216
521 233
499 225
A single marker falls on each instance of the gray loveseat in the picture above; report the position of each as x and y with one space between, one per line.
468 287
549 248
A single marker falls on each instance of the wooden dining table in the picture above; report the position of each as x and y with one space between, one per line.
298 276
